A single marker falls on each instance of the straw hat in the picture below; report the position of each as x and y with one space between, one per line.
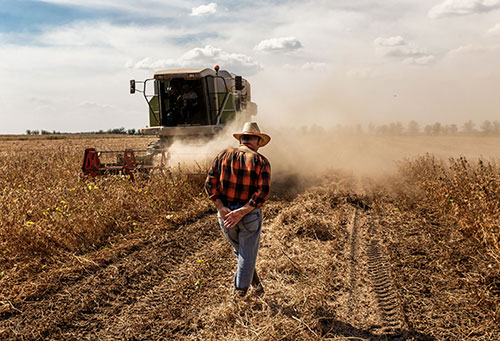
251 128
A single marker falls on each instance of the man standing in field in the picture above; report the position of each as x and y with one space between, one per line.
238 183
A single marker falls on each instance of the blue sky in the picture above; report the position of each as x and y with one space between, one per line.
65 64
25 16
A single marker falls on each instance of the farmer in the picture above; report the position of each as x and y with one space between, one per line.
238 183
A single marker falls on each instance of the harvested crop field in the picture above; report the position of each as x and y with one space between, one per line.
412 254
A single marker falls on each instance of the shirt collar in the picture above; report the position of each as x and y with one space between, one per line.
246 147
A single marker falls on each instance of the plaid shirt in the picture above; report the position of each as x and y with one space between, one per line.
239 176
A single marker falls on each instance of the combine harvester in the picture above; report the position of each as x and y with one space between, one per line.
184 105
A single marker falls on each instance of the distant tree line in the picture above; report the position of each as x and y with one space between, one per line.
414 128
486 128
109 131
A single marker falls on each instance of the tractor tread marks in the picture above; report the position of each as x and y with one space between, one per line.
380 275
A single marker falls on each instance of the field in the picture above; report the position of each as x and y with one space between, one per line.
391 238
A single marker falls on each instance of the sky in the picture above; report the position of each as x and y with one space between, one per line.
65 65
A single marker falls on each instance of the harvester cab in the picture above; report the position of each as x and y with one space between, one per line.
184 104
194 103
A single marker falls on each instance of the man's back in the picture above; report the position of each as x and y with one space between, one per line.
239 175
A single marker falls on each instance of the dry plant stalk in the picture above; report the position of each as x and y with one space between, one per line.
468 192
48 207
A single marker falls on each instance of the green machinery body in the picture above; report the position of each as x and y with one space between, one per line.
194 103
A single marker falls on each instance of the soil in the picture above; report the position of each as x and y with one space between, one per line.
343 260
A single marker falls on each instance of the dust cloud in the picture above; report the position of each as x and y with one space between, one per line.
302 111
197 155
298 155
314 151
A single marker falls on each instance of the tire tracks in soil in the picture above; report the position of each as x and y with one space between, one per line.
372 302
382 283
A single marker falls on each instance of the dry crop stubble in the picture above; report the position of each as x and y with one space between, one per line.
468 192
301 266
445 214
48 208
439 246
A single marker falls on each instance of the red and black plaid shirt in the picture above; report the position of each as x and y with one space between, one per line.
239 176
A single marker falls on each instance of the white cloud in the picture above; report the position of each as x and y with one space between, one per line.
391 41
314 66
495 30
93 105
473 49
424 60
362 73
90 34
397 47
283 44
150 64
462 7
77 34
211 8
41 104
203 56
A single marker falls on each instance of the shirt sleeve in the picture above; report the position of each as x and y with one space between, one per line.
263 185
212 181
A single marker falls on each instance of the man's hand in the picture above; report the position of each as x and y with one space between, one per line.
234 217
223 210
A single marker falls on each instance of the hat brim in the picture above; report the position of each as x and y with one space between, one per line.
264 138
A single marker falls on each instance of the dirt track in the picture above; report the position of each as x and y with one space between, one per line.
341 261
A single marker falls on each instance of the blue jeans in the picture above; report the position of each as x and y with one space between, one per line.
244 237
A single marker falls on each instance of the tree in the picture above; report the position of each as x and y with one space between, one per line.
468 127
117 131
451 129
496 127
359 129
413 128
382 130
396 128
487 127
436 128
371 128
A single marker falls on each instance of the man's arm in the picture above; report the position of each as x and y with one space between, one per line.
212 180
263 186
211 187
